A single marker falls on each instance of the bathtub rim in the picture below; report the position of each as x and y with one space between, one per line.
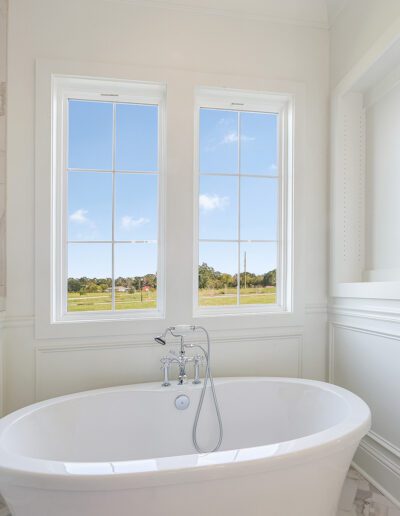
30 471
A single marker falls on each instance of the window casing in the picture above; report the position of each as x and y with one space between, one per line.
69 89
240 299
120 178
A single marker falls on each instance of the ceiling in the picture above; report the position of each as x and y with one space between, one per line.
318 13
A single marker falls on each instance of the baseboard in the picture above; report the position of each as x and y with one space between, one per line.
375 465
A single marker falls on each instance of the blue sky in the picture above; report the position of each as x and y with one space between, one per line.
136 143
252 169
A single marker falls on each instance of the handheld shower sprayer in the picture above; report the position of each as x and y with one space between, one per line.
160 339
175 331
179 331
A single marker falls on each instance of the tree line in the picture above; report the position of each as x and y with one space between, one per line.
86 285
209 278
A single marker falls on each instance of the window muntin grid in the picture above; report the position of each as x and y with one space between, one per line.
115 172
275 176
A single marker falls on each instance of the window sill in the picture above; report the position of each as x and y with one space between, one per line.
97 326
99 316
368 290
237 311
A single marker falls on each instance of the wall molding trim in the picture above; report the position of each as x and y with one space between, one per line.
146 341
351 327
218 335
18 321
381 457
369 331
42 351
230 13
372 313
395 450
372 480
374 445
378 459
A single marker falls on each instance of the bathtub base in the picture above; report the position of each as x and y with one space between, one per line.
311 489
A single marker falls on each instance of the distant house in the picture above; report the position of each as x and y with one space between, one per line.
118 289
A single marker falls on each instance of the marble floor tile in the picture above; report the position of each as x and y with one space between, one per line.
360 498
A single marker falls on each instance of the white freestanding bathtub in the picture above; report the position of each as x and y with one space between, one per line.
127 451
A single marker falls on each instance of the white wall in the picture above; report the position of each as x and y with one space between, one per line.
364 317
3 68
171 40
3 56
383 185
357 27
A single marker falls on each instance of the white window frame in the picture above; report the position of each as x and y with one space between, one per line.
75 88
218 98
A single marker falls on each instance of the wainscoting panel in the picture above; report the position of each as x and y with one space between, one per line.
66 368
369 365
367 362
41 369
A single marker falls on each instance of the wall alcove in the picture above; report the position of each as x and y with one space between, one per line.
365 166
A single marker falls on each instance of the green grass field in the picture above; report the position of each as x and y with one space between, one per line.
207 297
248 296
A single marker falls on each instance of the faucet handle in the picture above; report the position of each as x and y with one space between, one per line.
198 360
166 364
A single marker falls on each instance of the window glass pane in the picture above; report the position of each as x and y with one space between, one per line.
218 266
135 276
136 137
89 205
218 205
90 135
258 143
89 277
218 141
258 273
259 208
136 200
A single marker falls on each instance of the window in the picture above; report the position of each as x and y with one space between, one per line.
241 206
101 262
110 182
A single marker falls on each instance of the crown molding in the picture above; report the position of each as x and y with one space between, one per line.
231 13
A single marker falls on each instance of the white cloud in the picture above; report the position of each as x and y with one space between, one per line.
229 138
128 222
79 216
213 202
233 137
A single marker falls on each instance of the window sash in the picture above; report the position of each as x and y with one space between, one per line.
250 103
92 90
